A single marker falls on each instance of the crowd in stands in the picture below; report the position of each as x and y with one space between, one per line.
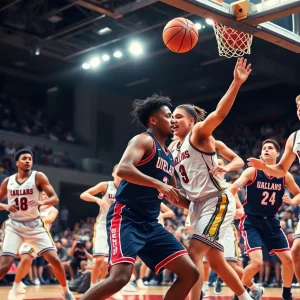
23 117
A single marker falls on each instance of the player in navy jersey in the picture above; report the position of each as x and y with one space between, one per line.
260 225
291 152
147 171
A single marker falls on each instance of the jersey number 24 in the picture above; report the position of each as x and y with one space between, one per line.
267 198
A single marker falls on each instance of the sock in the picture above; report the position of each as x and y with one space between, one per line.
245 296
286 293
66 289
254 287
15 285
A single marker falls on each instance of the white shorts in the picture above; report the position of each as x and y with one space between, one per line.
100 241
297 232
31 232
211 218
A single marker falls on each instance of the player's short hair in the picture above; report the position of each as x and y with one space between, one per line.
271 141
197 113
143 109
298 99
22 151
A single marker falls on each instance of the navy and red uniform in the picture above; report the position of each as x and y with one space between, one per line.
260 224
132 221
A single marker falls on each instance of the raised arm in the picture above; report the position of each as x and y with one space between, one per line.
88 195
214 119
141 146
247 176
43 181
280 169
51 217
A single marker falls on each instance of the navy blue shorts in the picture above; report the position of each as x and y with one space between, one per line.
130 236
258 231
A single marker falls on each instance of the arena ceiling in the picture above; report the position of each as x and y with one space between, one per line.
66 33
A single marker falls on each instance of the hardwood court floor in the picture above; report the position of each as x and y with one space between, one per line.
53 292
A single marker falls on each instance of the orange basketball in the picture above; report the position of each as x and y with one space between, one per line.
180 35
234 39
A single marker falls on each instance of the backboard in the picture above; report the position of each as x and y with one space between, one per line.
276 21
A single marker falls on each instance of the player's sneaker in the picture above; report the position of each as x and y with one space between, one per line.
129 287
218 286
289 298
140 284
117 296
257 294
24 286
17 289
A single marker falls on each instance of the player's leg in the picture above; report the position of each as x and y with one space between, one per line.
296 253
278 244
11 244
44 246
217 262
172 256
119 276
97 269
235 266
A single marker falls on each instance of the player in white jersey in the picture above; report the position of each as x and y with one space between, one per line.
23 191
291 151
107 190
48 216
213 209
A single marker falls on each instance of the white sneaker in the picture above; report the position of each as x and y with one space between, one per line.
117 296
129 288
17 290
37 282
140 284
24 286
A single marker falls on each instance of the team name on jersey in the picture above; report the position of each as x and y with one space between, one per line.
269 186
114 241
184 155
21 192
163 165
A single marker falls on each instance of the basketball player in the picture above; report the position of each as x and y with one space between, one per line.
48 215
260 224
291 151
107 190
214 206
147 171
231 248
23 191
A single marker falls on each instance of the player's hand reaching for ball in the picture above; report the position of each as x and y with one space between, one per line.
256 163
242 70
169 192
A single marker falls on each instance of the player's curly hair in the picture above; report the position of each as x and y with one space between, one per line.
143 109
22 151
194 111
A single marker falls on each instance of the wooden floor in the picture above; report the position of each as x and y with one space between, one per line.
52 292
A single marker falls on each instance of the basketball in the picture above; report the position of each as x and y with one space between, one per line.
234 39
180 35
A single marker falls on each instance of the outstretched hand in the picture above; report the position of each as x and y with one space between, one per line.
242 70
256 163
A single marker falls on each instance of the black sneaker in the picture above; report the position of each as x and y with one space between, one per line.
289 298
218 286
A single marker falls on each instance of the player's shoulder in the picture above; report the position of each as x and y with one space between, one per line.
250 171
288 176
171 146
5 181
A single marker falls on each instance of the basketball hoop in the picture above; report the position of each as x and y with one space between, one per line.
231 42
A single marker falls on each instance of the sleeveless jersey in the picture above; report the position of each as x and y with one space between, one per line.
296 144
109 195
20 194
142 201
264 195
45 212
192 166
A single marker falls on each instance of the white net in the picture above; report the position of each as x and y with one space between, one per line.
231 42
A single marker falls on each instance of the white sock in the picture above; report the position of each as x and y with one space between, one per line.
245 296
15 285
66 289
253 287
